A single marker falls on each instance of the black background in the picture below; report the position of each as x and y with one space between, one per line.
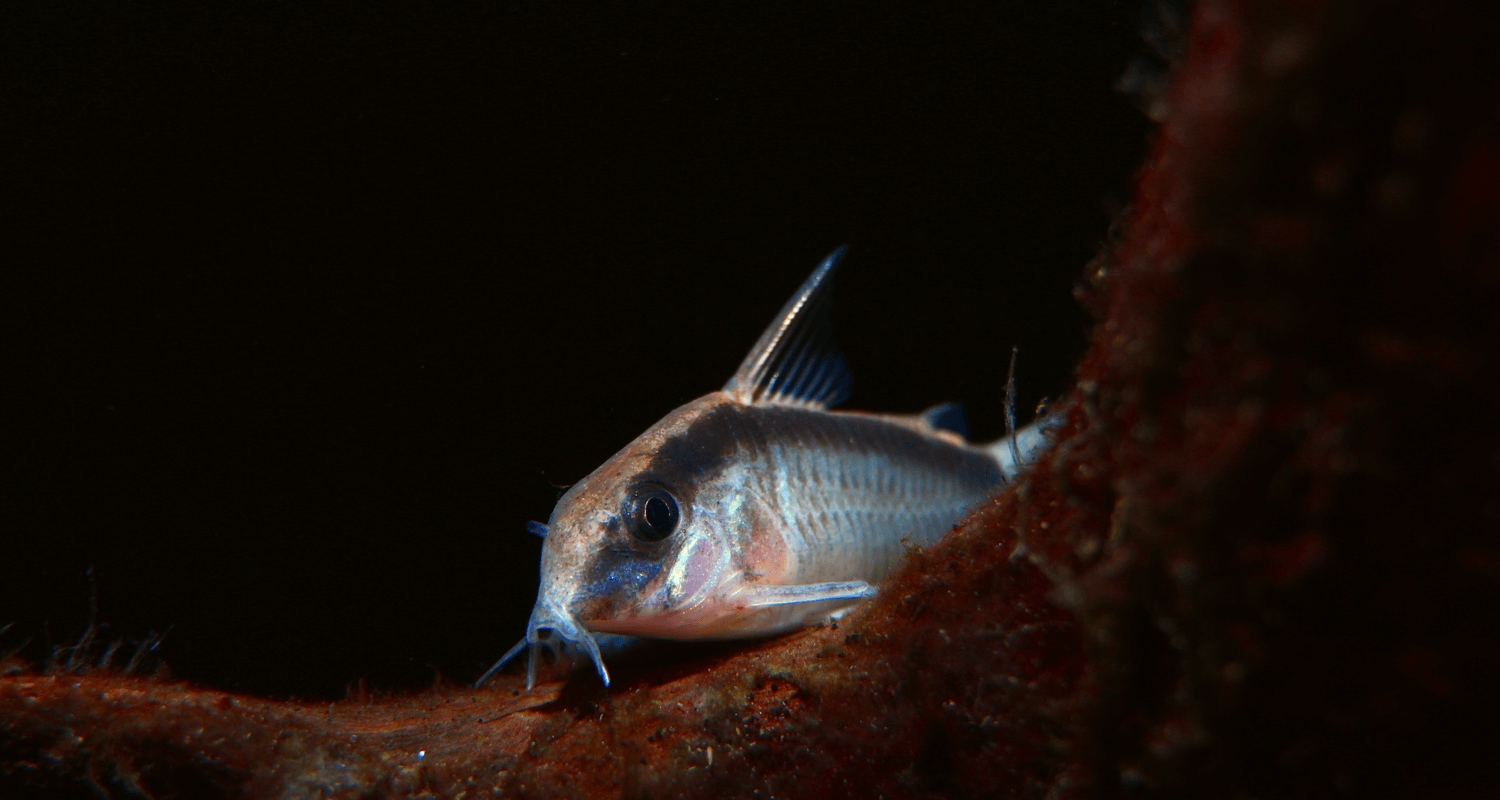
317 302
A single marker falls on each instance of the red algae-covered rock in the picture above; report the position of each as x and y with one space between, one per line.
935 690
1286 441
1261 560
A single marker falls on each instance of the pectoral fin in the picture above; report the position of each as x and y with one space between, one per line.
764 596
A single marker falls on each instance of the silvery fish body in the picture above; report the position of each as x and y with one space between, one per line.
754 509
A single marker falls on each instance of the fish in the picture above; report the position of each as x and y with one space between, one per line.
757 509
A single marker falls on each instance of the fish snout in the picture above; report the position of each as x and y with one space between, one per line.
550 626
551 622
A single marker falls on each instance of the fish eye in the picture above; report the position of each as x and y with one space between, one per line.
653 513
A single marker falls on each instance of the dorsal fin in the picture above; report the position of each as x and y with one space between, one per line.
795 362
947 417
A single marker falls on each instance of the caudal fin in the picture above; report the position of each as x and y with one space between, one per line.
1018 450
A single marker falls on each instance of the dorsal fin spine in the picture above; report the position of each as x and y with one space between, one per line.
795 363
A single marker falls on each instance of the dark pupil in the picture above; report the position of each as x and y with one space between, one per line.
656 516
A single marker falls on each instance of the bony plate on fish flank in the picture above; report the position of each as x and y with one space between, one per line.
756 509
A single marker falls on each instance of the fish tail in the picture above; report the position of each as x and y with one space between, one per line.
1017 450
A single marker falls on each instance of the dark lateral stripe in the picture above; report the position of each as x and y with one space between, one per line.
860 436
704 450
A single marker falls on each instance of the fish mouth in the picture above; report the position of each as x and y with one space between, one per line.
550 626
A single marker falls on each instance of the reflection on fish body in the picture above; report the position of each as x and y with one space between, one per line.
755 510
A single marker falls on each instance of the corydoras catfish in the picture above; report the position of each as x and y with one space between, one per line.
755 509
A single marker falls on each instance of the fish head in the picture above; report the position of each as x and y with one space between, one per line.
647 539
